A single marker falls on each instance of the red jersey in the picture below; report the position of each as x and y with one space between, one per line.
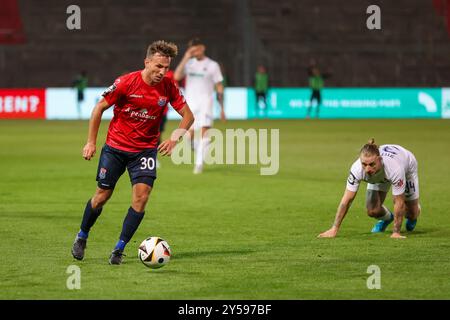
169 75
138 110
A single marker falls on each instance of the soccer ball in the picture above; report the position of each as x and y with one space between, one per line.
154 252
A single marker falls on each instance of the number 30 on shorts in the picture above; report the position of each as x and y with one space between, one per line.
147 163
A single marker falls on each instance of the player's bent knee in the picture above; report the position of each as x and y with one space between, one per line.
139 204
140 200
100 198
374 212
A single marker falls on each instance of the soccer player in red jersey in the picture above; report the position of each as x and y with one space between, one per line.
139 99
162 126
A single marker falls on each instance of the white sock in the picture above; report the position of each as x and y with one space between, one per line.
195 144
388 214
201 150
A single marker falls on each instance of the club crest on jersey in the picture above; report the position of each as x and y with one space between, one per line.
102 173
399 183
162 101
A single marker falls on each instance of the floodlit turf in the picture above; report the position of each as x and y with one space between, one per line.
234 233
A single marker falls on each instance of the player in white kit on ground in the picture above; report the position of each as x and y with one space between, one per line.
382 167
203 77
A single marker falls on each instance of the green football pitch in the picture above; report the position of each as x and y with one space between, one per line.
235 234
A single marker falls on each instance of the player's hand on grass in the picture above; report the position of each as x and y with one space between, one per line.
331 233
166 147
396 235
89 151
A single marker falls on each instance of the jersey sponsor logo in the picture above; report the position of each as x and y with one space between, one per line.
136 96
351 179
141 114
109 90
196 74
162 101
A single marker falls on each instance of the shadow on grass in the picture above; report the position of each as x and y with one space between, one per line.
177 255
197 254
403 232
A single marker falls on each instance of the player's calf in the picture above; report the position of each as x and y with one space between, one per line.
386 217
412 214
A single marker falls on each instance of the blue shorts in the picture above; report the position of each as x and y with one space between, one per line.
141 166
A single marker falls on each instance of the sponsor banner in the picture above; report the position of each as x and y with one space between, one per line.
349 103
62 104
445 103
240 103
22 103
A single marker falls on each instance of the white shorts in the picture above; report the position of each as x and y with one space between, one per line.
202 119
411 187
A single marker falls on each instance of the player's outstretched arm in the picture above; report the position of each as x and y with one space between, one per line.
399 213
220 92
94 124
166 147
342 210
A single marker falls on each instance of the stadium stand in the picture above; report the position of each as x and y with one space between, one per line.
411 49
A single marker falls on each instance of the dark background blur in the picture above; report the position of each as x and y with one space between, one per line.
411 49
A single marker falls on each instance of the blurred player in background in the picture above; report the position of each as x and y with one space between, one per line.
203 76
80 84
382 167
139 99
261 88
316 83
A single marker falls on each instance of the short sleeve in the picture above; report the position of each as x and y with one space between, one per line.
176 98
398 183
187 67
217 74
354 177
113 93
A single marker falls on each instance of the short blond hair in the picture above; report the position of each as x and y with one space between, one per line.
165 48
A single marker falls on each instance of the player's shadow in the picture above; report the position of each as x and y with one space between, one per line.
403 232
198 253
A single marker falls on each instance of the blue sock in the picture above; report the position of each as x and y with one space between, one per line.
83 235
120 245
130 225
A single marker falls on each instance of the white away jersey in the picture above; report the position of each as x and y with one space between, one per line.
398 165
201 77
